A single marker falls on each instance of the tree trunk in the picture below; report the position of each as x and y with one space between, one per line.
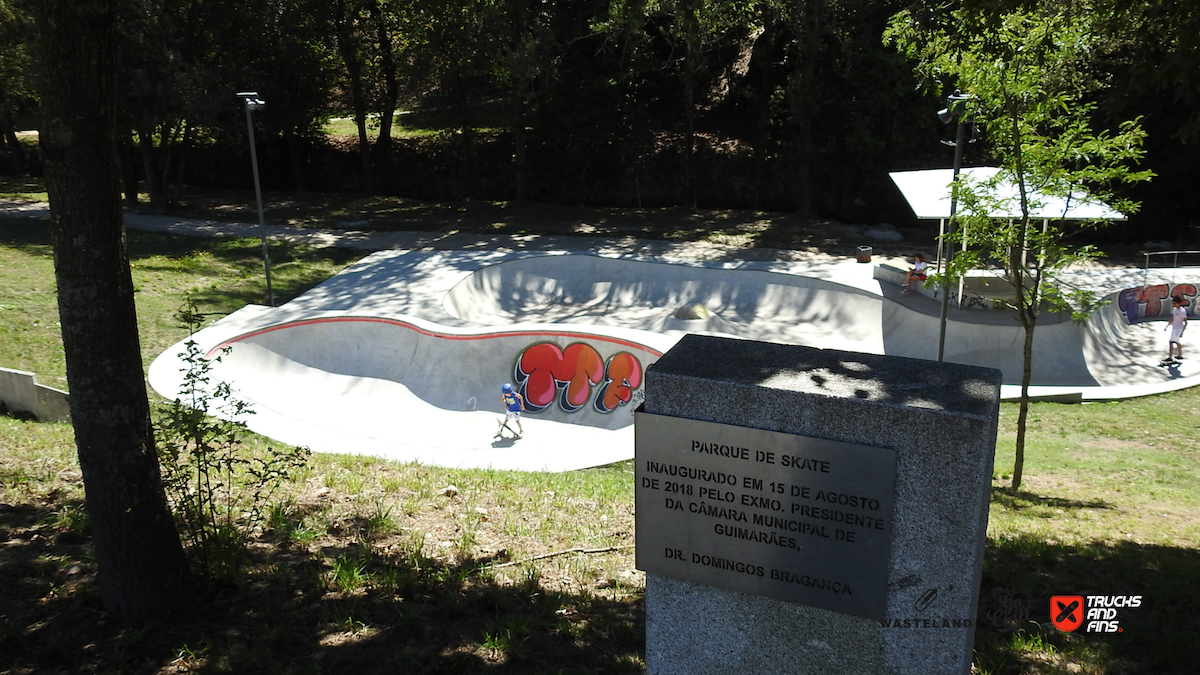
521 28
1027 302
140 559
391 83
10 139
127 158
179 153
348 49
764 49
155 189
807 25
1027 309
691 30
1023 414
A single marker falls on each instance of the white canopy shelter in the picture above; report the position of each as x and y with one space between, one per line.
928 195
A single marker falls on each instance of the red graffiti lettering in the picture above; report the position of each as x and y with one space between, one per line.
1188 293
1150 302
1152 297
622 375
544 369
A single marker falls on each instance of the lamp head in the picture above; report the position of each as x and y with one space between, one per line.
253 102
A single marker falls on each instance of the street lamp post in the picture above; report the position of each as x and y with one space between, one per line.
252 103
947 115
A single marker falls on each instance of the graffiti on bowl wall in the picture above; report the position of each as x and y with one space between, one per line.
545 373
1150 303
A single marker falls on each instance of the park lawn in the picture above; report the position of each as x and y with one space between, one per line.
23 188
220 275
334 211
378 566
1110 505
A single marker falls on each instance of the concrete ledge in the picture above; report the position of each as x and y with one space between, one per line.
980 290
895 275
21 393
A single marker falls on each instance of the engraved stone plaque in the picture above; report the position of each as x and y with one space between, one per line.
799 519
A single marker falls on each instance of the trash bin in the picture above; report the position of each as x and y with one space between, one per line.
864 254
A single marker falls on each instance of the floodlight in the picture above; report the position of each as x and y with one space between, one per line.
253 102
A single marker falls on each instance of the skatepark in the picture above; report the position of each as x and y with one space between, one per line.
403 354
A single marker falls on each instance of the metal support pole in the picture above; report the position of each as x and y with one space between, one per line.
252 102
959 141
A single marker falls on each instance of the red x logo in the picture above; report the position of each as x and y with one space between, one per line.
1066 612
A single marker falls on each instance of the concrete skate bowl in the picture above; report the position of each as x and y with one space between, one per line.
764 305
567 376
402 355
1108 357
649 296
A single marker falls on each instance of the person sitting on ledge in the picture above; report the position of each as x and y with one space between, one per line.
917 271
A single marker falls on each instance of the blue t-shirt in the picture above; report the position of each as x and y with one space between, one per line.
511 401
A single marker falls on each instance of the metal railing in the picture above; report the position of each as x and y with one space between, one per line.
1174 263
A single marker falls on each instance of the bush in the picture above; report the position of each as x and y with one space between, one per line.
217 487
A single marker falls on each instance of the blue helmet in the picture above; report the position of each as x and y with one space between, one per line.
507 388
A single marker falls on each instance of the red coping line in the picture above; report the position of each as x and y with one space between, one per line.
444 336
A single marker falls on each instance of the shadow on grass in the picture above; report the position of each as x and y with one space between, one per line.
1021 500
297 611
28 235
235 265
1021 574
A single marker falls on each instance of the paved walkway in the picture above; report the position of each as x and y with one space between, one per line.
1102 279
408 282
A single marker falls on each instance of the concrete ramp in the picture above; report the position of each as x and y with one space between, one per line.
402 355
408 390
993 339
595 290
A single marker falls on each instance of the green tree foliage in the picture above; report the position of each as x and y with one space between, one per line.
1027 80
17 76
654 102
183 63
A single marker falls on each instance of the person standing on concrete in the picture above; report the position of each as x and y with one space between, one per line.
514 403
1177 324
916 272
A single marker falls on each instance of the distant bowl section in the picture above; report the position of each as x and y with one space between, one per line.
644 295
403 355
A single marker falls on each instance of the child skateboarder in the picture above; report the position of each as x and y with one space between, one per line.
513 405
1177 324
917 271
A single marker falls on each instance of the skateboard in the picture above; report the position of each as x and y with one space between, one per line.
503 424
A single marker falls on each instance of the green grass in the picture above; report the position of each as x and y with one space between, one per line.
369 565
737 229
404 125
23 188
1128 467
221 275
1110 505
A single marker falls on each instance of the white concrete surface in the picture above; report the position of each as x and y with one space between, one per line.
402 354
